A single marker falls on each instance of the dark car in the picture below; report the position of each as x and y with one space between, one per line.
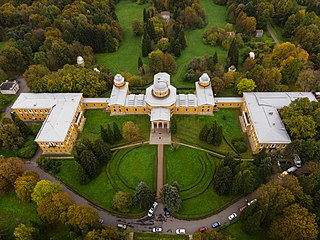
216 224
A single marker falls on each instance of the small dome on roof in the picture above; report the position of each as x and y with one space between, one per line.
161 85
204 80
80 60
118 80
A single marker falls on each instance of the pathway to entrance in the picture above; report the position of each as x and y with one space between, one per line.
160 170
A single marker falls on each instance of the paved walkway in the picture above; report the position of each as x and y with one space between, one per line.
273 35
160 170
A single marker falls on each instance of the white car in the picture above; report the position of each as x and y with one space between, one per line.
122 226
151 211
159 229
232 216
252 201
101 220
180 231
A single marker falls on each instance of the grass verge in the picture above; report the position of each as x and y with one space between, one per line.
147 236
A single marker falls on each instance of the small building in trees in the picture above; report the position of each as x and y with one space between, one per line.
259 33
232 68
261 120
9 87
165 15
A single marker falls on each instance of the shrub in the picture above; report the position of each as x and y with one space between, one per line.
28 150
49 165
241 147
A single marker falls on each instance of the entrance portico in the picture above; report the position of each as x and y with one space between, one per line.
160 126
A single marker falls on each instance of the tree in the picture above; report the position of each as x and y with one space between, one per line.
265 168
173 125
83 217
137 27
34 73
10 170
89 163
307 80
116 132
130 131
122 201
143 197
295 223
204 133
44 188
211 234
291 70
10 136
110 135
300 127
223 181
140 63
245 85
104 134
230 162
215 58
22 232
24 129
109 233
53 209
237 184
252 225
102 151
170 196
233 54
25 184
248 181
146 44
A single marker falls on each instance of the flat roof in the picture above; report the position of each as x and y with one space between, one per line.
263 109
228 99
204 95
118 95
95 100
7 85
160 114
63 108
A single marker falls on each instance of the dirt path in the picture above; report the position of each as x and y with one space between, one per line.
274 37
160 170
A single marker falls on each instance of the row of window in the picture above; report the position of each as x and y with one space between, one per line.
32 111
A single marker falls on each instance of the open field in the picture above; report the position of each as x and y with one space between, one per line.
157 236
194 171
121 173
95 118
235 231
125 59
189 128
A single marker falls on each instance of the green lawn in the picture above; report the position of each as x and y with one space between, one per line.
189 128
139 165
134 165
215 15
95 118
13 212
199 198
236 231
156 236
126 58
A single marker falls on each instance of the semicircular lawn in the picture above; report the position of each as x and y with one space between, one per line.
138 165
183 165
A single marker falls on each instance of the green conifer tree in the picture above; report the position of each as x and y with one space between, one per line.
111 139
116 132
204 133
104 134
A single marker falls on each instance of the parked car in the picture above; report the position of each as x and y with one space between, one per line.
297 160
242 208
232 216
180 231
203 229
216 224
252 201
101 220
292 169
151 210
166 212
159 229
122 226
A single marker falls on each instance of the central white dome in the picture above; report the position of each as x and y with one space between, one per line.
161 83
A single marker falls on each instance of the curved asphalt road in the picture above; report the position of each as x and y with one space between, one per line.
144 224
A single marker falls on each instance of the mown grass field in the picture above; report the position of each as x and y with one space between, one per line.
215 16
134 166
126 58
95 118
183 165
189 128
157 236
236 231
13 212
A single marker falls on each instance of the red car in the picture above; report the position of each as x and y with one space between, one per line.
243 207
203 229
